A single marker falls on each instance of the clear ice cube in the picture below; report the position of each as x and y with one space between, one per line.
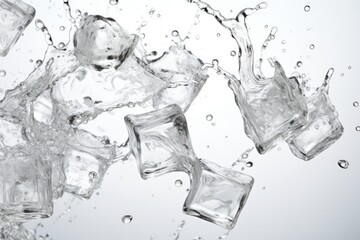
323 127
102 43
15 231
25 185
160 141
217 194
15 16
184 75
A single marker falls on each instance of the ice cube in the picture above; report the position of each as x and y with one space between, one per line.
25 185
15 16
323 128
102 43
15 231
217 194
183 73
160 141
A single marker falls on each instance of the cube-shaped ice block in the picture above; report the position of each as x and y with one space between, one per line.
160 141
217 194
322 130
25 186
84 172
15 16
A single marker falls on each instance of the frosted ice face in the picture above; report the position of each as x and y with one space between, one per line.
25 186
15 16
86 93
160 141
217 194
323 128
12 231
272 108
102 43
184 75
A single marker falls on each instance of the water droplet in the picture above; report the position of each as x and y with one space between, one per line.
299 63
342 74
356 104
245 155
175 33
127 219
343 164
263 188
61 45
131 105
78 158
2 73
114 2
62 28
307 8
218 34
357 128
283 41
38 63
266 26
249 164
209 117
178 183
233 53
213 124
349 67
312 46
142 35
92 175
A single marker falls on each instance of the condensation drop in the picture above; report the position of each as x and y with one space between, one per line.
342 74
343 164
127 219
349 67
178 183
218 34
2 73
307 8
209 117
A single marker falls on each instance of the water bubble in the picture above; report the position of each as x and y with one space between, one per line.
2 73
178 183
357 128
209 117
307 8
175 33
213 124
249 164
312 46
78 158
127 219
356 104
343 164
113 2
62 28
233 53
299 63
131 105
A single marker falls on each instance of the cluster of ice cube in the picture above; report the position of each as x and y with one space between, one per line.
44 152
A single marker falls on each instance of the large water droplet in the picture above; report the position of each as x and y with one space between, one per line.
249 164
127 219
92 175
343 164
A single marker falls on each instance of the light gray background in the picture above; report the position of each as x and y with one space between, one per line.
301 200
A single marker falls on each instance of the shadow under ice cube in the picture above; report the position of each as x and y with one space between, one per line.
160 141
25 186
217 194
15 16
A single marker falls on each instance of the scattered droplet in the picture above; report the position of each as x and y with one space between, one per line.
92 175
178 183
299 63
218 34
2 73
356 104
312 46
114 2
343 164
317 127
263 188
357 128
266 26
127 219
307 8
349 67
245 155
209 117
342 74
62 28
233 53
283 41
249 164
175 33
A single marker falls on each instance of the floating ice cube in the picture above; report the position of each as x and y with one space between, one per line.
183 73
217 194
102 43
25 185
15 16
323 128
160 141
272 108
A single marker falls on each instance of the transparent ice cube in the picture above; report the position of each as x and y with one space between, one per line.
217 194
102 43
15 231
25 185
160 141
323 128
184 75
15 16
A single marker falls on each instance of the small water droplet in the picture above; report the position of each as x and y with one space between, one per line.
312 46
92 175
266 26
209 117
349 67
307 8
284 50
78 158
356 104
178 183
249 164
175 33
299 63
233 53
38 63
62 28
342 74
218 34
343 164
357 128
2 73
159 15
213 124
61 45
114 2
263 188
283 41
127 219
